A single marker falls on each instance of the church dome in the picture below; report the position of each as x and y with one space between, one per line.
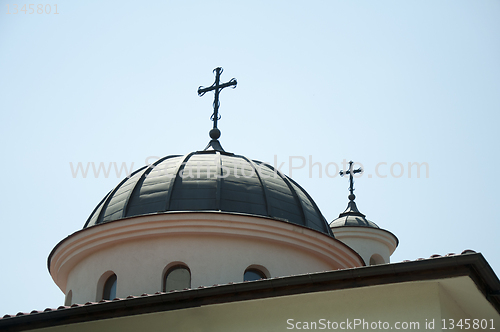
373 244
352 217
212 216
210 180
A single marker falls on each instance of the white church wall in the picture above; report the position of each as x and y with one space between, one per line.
450 308
217 248
386 307
368 242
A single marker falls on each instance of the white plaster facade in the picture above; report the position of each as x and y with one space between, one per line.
216 247
418 306
374 245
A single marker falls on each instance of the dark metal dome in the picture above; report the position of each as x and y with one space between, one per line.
189 183
352 217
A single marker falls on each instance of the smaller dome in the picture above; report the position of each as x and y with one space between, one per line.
374 244
352 217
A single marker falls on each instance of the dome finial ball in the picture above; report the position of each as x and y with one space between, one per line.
214 133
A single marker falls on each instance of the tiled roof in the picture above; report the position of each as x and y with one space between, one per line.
146 295
466 251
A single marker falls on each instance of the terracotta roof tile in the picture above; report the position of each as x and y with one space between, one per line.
75 305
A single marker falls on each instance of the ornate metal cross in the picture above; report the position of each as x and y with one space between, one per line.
217 87
351 172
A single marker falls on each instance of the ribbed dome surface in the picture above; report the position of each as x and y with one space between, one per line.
189 183
352 217
352 221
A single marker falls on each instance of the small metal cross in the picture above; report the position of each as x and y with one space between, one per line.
217 87
351 172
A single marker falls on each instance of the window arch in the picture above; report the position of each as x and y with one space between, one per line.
255 272
69 298
109 291
176 278
106 286
376 259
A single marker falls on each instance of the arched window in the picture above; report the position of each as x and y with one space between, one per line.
109 291
376 259
177 278
252 274
69 298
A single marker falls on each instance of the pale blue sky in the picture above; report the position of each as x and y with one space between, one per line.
372 81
